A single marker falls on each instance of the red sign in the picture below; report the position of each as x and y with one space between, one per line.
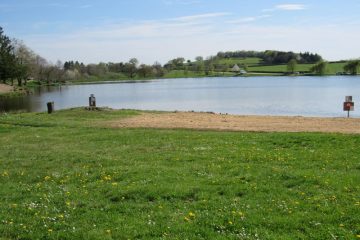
349 106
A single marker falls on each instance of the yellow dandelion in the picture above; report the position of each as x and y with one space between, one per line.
108 231
106 178
230 222
47 178
50 230
191 215
186 219
358 236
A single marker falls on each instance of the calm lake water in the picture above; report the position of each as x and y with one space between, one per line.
295 96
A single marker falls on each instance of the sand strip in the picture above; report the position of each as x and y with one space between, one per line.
208 121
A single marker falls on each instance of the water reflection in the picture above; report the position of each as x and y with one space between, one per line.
306 96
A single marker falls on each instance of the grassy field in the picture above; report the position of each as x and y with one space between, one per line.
192 74
68 176
332 68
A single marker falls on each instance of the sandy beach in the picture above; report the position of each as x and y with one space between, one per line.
221 122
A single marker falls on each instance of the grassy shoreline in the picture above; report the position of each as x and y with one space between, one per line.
66 176
253 66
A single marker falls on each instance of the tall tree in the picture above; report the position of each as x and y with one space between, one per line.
7 57
25 61
158 69
130 68
145 70
291 66
352 67
319 68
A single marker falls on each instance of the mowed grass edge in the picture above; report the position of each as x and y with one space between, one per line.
63 176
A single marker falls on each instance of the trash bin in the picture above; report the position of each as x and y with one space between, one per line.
50 107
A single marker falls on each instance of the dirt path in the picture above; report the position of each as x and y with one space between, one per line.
189 120
5 88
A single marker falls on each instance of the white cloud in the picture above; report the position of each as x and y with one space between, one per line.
201 16
285 7
248 19
191 36
290 7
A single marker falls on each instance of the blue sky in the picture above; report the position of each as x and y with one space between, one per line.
158 30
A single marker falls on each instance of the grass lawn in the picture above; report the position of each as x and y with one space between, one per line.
332 68
67 176
192 74
280 68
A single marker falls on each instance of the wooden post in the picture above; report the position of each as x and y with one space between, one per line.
50 107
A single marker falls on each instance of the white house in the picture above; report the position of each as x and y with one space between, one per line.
235 68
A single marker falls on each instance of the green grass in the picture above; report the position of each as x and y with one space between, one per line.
332 68
110 76
192 74
335 67
280 68
66 176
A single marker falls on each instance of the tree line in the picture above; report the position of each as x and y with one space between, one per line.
274 57
19 63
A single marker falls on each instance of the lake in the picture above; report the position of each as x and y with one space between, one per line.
293 96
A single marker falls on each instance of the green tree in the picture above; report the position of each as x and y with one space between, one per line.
145 71
199 64
134 61
319 68
25 61
245 66
291 66
7 58
158 70
130 68
209 67
352 67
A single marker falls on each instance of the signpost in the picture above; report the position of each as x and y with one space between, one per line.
92 101
348 105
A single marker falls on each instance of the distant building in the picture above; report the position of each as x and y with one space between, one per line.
235 68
